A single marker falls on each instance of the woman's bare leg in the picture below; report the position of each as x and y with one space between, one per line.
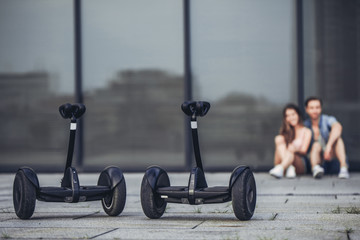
282 155
280 149
288 159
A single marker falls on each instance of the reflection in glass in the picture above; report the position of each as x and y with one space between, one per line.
243 64
36 76
133 81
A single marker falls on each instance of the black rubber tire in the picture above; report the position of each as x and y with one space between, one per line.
152 204
114 203
243 193
24 196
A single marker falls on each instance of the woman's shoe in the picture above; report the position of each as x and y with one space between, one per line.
290 172
277 171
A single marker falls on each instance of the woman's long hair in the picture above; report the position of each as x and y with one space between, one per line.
286 129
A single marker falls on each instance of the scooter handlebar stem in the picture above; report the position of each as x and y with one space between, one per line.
72 112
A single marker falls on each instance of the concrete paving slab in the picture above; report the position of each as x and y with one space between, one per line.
300 208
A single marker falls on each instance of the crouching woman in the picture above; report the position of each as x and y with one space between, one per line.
291 145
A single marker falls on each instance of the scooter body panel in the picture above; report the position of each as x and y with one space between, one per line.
157 177
236 173
31 175
110 176
196 181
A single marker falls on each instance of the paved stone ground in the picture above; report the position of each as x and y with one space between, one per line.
301 208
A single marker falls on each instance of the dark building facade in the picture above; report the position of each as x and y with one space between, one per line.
338 48
337 79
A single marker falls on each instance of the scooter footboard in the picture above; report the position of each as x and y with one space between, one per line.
31 175
64 194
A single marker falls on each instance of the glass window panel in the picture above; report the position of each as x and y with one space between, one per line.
133 82
36 76
243 63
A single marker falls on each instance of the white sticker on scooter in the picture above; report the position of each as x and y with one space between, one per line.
193 125
72 126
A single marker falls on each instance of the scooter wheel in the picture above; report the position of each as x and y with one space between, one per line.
24 196
243 194
114 203
152 204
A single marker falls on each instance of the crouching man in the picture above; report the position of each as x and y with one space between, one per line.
326 142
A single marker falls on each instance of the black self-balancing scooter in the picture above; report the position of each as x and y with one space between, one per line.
110 189
156 191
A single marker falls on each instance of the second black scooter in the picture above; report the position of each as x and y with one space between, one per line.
110 189
156 191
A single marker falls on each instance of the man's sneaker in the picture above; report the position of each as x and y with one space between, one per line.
277 171
318 171
290 172
344 173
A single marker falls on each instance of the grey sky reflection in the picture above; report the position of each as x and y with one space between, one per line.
238 46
